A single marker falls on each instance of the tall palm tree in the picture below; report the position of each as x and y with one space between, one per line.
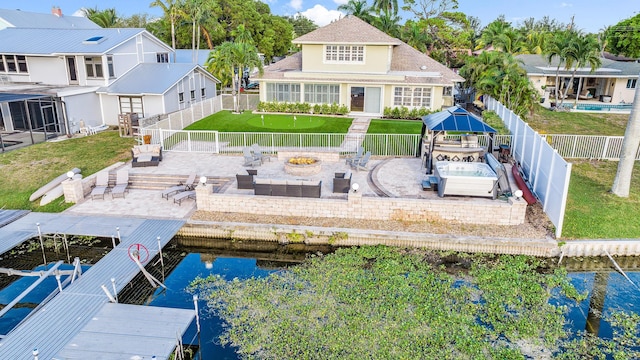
587 52
357 8
557 50
386 6
491 33
387 23
173 10
415 35
630 144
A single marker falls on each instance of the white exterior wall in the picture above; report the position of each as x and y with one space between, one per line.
110 108
83 107
621 93
46 70
152 105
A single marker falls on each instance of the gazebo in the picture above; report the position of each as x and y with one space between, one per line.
461 122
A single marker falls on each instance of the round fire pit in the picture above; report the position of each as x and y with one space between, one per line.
302 166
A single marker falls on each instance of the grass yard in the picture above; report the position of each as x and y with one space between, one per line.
577 123
26 170
592 211
225 121
395 127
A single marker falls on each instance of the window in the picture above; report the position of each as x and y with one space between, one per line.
162 57
193 94
13 64
631 83
322 93
415 97
181 97
130 104
112 73
283 92
203 93
447 91
344 53
94 67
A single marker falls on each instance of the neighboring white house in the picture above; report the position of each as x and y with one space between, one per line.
90 74
352 63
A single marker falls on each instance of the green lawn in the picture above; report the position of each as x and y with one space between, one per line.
577 123
395 127
225 121
26 170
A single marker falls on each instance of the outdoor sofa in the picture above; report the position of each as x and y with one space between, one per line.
342 182
292 188
146 155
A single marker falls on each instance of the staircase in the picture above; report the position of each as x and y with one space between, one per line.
162 181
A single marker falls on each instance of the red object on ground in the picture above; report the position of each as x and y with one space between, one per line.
522 185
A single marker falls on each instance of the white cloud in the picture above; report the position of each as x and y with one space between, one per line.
321 16
296 4
564 5
340 2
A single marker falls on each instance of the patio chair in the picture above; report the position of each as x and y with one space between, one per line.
122 183
187 185
257 153
102 183
355 158
363 163
249 159
183 196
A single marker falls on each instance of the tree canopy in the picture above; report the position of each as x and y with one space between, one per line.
624 37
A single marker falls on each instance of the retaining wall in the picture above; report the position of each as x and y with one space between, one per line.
511 212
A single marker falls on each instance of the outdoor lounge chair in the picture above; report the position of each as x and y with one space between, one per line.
180 197
257 154
102 183
249 159
122 183
355 158
363 163
185 186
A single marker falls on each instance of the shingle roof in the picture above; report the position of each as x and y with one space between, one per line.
538 65
348 30
151 78
27 19
64 41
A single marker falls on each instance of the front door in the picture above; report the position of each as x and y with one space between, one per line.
73 73
357 98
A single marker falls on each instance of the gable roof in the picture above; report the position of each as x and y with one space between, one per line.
456 118
348 30
21 41
152 78
538 65
27 19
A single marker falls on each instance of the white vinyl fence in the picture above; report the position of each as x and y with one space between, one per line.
180 119
546 172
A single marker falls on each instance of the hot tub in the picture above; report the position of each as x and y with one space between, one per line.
466 178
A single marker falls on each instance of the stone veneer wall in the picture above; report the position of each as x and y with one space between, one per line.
371 208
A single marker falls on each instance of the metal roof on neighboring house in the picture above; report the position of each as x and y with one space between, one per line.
152 78
538 65
27 19
66 41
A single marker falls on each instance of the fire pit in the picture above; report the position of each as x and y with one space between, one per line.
302 166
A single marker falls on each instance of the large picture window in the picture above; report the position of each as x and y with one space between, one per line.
322 93
281 92
412 97
131 105
94 67
13 64
344 53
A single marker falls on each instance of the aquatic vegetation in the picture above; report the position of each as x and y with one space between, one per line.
381 302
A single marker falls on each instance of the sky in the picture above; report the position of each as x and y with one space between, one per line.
590 15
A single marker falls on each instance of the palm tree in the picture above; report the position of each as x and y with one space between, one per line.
557 50
587 52
414 35
630 144
387 23
386 6
173 10
104 18
491 33
357 8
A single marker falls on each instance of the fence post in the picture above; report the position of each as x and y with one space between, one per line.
605 148
161 138
189 141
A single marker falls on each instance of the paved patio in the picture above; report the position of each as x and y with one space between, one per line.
398 177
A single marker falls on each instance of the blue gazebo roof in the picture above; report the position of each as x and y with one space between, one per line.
456 118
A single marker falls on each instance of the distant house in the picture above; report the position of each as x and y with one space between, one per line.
68 71
350 62
613 82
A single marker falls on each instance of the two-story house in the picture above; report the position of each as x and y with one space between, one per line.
55 75
350 62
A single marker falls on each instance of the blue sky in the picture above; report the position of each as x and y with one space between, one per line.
590 15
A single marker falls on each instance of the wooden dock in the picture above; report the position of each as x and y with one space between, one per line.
51 328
